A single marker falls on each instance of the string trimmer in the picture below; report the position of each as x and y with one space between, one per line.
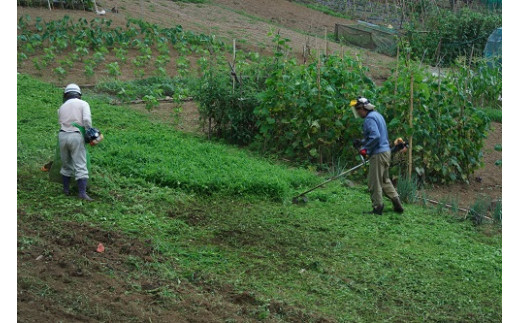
400 145
303 199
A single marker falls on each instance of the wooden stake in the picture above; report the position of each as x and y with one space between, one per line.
410 120
396 72
326 43
318 81
439 81
234 57
49 3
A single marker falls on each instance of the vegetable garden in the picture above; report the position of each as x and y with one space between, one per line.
200 230
276 104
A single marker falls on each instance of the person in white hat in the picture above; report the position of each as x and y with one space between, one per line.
74 111
376 147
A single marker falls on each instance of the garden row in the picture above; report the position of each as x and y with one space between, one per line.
275 104
100 47
302 112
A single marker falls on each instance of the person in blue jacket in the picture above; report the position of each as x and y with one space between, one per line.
376 148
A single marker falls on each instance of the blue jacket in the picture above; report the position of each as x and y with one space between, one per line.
375 134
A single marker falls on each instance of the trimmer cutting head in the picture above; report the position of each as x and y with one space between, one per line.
300 200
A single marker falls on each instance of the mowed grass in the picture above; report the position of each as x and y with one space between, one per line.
324 258
137 148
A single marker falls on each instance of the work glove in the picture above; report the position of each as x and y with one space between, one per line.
363 152
400 146
357 143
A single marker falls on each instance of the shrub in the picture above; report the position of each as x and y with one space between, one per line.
448 132
460 34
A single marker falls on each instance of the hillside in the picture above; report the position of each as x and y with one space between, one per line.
183 251
249 22
197 230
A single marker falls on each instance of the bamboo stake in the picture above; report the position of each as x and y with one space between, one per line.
234 57
396 72
318 71
439 79
410 120
448 206
326 43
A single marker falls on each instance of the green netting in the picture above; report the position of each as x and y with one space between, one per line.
492 4
494 44
377 38
493 49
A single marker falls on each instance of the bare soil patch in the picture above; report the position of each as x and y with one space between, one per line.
61 277
288 14
486 181
186 120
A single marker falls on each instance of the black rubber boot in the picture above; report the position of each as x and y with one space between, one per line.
398 207
66 184
82 187
377 210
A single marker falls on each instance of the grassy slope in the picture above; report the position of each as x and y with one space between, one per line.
324 257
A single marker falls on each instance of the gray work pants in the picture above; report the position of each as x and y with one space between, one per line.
379 179
73 155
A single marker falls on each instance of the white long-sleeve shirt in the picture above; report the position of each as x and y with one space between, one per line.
74 110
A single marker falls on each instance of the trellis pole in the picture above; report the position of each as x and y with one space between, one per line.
410 121
234 58
326 43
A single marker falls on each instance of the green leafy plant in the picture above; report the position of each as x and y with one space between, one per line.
447 130
183 65
139 73
98 57
66 63
37 64
121 54
459 34
113 69
151 102
21 57
49 56
89 68
61 72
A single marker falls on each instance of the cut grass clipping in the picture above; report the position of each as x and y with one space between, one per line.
135 147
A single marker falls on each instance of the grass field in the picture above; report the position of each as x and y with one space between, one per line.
218 216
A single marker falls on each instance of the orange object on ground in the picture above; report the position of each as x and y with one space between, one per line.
100 248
